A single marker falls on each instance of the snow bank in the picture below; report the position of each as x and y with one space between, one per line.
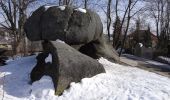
44 84
164 59
15 86
118 83
81 10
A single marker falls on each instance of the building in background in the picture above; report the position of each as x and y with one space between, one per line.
5 39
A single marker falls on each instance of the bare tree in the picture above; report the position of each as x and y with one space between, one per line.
159 10
121 26
117 27
11 9
165 21
130 7
117 31
65 2
86 4
156 9
10 19
127 26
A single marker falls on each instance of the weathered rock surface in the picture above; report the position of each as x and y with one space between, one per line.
69 25
99 48
68 65
72 26
32 26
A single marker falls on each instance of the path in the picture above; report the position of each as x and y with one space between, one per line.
150 65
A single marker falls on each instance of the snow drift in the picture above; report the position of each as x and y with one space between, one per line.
118 83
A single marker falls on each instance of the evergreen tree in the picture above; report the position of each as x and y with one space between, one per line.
148 38
116 32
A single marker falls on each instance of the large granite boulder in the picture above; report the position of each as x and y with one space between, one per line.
74 26
32 25
67 65
99 48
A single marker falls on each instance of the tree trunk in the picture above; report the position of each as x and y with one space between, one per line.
117 40
22 20
127 27
108 18
85 4
115 26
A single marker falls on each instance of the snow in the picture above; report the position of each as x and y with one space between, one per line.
118 83
47 7
48 59
164 59
140 44
81 10
44 84
60 41
145 61
62 7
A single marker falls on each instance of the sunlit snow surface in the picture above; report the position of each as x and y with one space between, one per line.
58 40
140 44
81 10
60 7
164 59
118 83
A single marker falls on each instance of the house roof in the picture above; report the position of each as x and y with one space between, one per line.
141 33
154 38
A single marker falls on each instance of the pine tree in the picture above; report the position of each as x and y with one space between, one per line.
148 38
116 32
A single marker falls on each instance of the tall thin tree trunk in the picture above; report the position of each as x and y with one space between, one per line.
157 30
22 20
117 40
109 18
115 34
66 2
85 4
127 27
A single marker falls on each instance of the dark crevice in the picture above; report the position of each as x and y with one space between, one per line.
89 49
68 25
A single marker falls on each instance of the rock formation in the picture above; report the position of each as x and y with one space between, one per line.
71 25
78 28
68 65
